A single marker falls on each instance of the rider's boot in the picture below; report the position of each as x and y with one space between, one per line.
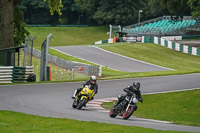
115 105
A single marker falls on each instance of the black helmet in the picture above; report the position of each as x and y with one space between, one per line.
93 79
136 85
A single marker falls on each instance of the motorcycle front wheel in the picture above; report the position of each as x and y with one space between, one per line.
74 104
81 103
113 113
128 113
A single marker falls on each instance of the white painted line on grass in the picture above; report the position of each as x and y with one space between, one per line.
152 120
170 91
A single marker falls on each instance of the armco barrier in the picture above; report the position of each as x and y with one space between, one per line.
6 74
21 74
176 46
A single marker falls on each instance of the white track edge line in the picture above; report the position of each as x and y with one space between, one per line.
134 59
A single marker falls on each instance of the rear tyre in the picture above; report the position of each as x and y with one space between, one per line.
82 102
128 113
113 113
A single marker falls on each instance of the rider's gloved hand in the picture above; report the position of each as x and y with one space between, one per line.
141 100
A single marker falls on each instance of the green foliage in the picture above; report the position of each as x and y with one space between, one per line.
123 12
71 13
113 11
62 20
20 33
176 7
153 9
55 6
195 7
37 9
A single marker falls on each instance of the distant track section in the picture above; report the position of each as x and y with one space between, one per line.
109 59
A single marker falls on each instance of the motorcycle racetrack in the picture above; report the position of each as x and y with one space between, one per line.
109 59
54 100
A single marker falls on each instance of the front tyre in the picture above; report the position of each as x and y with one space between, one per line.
113 113
82 102
128 113
74 104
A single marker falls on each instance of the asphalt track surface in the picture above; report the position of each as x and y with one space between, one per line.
108 59
54 100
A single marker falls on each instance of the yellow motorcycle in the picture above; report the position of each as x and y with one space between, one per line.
81 99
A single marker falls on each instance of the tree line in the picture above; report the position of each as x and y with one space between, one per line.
15 14
101 12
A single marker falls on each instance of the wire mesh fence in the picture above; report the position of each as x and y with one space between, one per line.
64 69
28 49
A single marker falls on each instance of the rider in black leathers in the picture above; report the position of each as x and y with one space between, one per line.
92 85
130 90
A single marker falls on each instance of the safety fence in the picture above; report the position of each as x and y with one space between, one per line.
121 39
6 73
176 46
48 25
163 42
70 65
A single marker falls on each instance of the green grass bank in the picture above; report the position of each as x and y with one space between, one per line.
64 36
13 122
177 107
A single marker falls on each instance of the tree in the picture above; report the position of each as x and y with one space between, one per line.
113 11
7 19
176 7
36 9
6 23
195 7
20 33
55 6
153 9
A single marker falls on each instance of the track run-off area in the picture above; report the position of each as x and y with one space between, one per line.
54 99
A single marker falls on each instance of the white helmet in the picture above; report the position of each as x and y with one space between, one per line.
93 79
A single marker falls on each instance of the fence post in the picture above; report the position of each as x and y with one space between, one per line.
44 59
100 70
72 73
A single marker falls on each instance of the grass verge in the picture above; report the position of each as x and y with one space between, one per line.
177 107
63 36
157 55
154 54
13 122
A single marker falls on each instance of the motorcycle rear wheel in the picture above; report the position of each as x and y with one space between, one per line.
128 113
81 103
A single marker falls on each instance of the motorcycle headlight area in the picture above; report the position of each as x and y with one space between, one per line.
135 100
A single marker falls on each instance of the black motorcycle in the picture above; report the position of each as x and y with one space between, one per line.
125 108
